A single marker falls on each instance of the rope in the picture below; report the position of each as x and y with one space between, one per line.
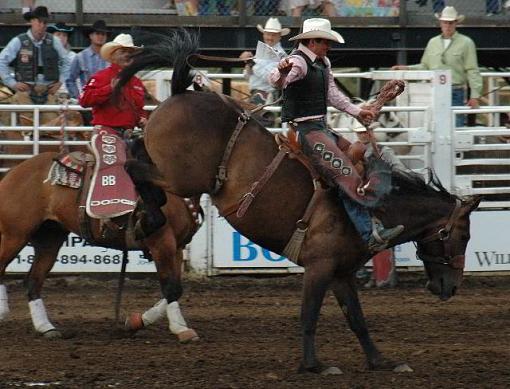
63 134
122 278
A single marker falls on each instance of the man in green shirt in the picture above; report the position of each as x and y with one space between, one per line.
454 51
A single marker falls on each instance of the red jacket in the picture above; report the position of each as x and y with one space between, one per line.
97 93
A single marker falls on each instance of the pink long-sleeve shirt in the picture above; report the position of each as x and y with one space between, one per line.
299 69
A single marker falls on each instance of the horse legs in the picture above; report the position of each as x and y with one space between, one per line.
10 246
168 260
315 284
346 294
46 242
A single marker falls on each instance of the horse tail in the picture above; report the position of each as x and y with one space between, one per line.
162 51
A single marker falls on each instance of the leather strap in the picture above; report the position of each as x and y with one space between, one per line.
242 120
85 227
305 220
257 186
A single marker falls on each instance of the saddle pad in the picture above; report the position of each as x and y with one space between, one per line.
111 192
59 174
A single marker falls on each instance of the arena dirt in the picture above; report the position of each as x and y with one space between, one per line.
250 337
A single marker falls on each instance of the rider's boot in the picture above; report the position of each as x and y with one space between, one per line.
376 236
381 236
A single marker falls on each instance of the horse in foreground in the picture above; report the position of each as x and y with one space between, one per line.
34 211
187 138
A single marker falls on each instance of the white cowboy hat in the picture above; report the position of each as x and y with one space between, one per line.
318 28
358 127
450 14
273 25
120 41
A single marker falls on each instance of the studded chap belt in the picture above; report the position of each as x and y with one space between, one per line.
119 131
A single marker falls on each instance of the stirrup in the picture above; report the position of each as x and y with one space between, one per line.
382 236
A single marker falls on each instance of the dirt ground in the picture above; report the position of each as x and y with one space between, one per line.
249 330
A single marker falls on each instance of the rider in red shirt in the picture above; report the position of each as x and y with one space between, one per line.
112 192
128 112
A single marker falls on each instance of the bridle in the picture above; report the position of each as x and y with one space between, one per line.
444 235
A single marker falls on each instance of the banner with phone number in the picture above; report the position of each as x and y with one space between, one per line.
78 256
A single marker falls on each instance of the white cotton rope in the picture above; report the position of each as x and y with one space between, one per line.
39 316
157 312
176 321
4 305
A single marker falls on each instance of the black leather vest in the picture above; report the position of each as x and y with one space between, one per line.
25 65
308 96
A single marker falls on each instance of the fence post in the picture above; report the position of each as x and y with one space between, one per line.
79 12
443 138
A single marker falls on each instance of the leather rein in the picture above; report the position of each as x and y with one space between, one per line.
444 235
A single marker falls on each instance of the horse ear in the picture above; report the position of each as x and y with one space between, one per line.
473 201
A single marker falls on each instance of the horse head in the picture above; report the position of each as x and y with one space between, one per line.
437 221
443 248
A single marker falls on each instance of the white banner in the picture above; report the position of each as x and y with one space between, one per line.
487 250
76 256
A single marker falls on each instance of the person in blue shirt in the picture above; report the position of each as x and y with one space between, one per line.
39 62
88 61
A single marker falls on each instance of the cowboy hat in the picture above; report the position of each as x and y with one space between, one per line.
124 41
273 25
318 28
98 26
449 14
60 27
40 12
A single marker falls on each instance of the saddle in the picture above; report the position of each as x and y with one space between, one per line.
111 208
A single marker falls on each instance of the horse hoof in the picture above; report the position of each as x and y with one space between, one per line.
52 334
384 364
332 370
187 336
319 368
403 368
134 322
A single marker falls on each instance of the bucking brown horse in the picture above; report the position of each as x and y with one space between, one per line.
34 211
203 143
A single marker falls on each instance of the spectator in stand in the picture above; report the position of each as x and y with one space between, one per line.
457 52
298 6
40 63
88 61
256 71
63 32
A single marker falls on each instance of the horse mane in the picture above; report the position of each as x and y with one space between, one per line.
409 183
162 51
